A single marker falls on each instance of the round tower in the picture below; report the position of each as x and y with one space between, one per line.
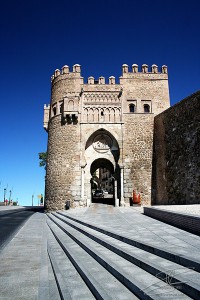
63 160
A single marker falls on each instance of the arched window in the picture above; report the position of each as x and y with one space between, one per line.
146 108
61 108
132 108
54 110
71 105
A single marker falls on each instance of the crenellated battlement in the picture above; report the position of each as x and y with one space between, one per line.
66 70
46 116
144 69
135 70
142 89
101 80
46 106
76 69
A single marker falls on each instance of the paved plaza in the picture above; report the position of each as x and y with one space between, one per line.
53 256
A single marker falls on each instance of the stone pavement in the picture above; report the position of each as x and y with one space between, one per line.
26 267
191 209
21 261
10 224
128 222
10 209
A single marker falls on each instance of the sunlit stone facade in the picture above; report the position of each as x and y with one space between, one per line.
102 124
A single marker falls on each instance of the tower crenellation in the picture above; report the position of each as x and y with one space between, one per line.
164 69
56 73
46 116
65 69
154 68
91 80
124 68
101 80
111 80
135 68
144 69
76 68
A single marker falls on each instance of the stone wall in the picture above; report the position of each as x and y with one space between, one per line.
138 145
63 177
151 89
176 158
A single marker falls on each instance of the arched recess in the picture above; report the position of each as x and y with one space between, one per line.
107 115
112 148
91 133
91 115
85 115
71 105
102 180
96 115
101 149
103 163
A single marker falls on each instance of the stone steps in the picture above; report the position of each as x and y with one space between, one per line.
168 251
100 282
48 288
69 282
114 269
190 223
149 262
54 293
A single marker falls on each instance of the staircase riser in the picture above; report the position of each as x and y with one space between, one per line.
164 254
183 287
63 294
89 283
129 284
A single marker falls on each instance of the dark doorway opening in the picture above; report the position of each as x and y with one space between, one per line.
102 182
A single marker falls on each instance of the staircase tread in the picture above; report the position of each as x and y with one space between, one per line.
188 251
53 289
162 264
106 282
72 280
127 269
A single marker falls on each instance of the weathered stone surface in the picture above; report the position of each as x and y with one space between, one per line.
176 172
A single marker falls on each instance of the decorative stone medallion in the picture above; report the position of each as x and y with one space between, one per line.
102 143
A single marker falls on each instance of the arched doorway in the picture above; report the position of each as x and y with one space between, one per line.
102 181
100 162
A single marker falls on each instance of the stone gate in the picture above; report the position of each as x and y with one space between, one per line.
102 125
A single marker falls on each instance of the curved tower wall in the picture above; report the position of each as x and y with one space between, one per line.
63 163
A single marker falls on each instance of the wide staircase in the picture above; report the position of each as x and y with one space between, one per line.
90 260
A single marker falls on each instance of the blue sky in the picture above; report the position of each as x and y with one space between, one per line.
39 36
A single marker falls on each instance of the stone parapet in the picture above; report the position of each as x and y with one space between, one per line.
183 221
